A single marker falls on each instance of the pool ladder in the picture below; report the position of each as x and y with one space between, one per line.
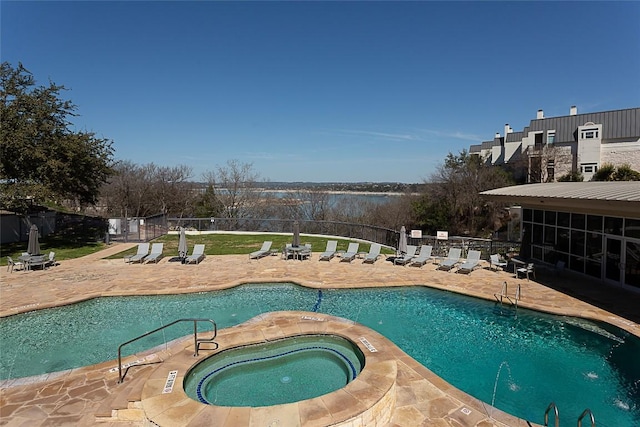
557 417
196 341
504 294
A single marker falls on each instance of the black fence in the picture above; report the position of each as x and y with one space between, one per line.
149 228
369 233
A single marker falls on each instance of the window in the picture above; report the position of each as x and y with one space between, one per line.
550 170
589 167
589 133
551 137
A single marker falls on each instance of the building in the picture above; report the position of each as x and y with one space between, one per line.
550 148
592 228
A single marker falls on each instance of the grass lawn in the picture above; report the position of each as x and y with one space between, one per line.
237 244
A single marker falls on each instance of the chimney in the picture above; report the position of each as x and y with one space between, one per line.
573 110
497 135
540 114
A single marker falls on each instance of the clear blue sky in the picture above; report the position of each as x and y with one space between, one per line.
323 91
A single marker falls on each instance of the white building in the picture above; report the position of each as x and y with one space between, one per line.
552 147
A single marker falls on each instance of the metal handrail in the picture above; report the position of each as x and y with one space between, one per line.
585 412
546 414
196 341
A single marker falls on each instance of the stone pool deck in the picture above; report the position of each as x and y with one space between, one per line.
395 391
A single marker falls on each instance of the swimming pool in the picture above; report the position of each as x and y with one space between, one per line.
529 361
276 372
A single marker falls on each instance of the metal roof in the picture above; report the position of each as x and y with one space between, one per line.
612 198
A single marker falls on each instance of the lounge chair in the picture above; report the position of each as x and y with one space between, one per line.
495 263
196 256
452 259
264 250
374 253
143 251
330 251
156 253
473 258
351 253
423 257
406 258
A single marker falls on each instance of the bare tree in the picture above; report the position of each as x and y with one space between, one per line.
236 188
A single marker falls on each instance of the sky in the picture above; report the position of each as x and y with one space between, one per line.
322 91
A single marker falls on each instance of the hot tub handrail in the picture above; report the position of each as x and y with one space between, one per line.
196 341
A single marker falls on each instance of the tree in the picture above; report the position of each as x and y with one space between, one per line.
42 159
453 200
608 172
235 186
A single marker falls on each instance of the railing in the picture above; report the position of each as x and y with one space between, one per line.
384 236
504 293
196 340
546 415
585 412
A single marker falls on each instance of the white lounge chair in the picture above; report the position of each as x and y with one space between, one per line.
52 259
423 257
351 253
374 253
473 258
143 251
196 256
330 251
264 250
405 258
495 263
156 253
452 259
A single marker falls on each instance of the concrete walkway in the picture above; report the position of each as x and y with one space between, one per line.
85 396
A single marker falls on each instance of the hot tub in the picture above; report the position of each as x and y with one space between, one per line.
275 372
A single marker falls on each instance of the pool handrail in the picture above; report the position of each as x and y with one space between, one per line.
546 414
585 412
197 341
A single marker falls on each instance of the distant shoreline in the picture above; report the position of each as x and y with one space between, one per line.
362 193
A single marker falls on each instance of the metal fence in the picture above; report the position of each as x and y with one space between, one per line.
368 233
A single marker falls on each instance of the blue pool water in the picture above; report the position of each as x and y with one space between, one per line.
282 371
529 360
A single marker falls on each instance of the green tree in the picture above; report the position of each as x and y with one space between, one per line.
608 172
42 158
453 200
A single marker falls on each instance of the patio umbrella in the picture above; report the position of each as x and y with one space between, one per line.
182 244
402 241
296 234
34 245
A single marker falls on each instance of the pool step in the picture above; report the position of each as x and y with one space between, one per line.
124 404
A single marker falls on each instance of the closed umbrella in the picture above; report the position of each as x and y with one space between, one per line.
182 244
296 234
402 241
34 245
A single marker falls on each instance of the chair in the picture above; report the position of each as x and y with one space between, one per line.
306 251
473 258
404 259
143 251
52 259
495 263
264 250
451 260
374 253
196 256
11 264
526 271
330 251
156 253
423 257
351 253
